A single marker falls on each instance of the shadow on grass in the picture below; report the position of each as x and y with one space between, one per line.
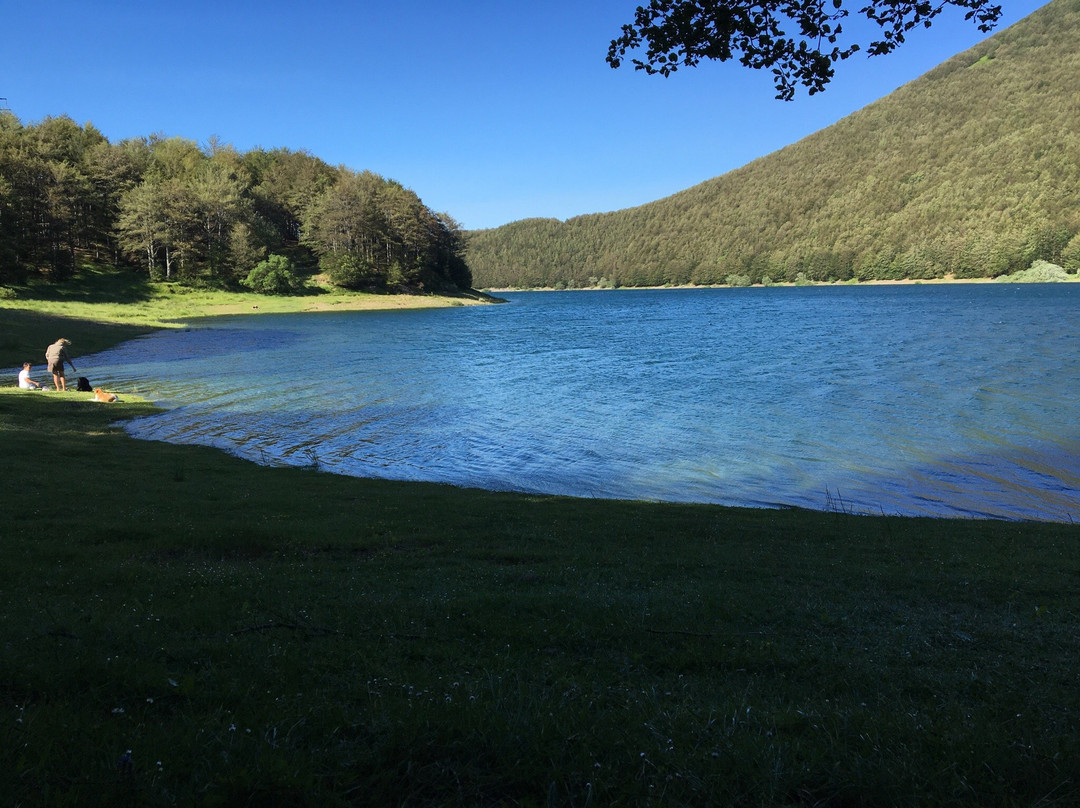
279 636
92 285
24 336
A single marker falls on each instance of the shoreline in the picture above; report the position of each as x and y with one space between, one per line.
187 303
773 502
947 281
31 323
352 302
905 282
195 626
375 303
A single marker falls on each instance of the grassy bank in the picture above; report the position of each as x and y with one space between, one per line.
181 627
34 316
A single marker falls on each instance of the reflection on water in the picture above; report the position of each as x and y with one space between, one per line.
941 400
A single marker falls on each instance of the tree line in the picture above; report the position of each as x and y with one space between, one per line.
973 170
211 215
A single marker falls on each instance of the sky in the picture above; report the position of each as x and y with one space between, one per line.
489 111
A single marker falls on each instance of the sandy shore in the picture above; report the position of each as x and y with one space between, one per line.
360 302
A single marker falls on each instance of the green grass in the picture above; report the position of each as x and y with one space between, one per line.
36 315
25 334
259 636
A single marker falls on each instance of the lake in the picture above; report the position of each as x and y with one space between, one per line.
945 400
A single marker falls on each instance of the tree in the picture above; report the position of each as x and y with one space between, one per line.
284 184
173 158
451 252
683 32
112 171
247 245
345 228
209 215
274 276
141 223
370 232
219 205
21 200
1070 255
66 192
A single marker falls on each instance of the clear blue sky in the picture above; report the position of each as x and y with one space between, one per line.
490 111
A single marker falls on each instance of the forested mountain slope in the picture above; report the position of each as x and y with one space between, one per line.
972 170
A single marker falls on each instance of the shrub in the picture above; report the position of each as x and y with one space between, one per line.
349 271
274 276
1039 272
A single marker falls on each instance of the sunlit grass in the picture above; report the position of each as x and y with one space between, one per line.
35 316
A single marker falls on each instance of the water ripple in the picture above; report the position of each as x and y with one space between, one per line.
946 400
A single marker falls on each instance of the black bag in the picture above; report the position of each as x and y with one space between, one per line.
83 385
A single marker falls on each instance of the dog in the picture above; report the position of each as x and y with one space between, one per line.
101 395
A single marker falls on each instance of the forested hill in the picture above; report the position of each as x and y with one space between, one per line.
972 170
265 220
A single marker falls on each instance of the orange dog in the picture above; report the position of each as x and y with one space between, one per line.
101 395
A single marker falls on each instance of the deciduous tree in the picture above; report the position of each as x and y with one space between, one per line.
799 40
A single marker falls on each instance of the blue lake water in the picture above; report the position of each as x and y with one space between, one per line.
950 400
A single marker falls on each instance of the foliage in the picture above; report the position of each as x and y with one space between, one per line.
347 270
1038 272
274 276
683 32
203 215
1070 255
972 170
368 231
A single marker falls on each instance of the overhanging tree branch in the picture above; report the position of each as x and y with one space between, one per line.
680 33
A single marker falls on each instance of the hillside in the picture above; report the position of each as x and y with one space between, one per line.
210 216
972 170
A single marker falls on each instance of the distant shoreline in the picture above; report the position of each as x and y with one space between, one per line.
97 327
353 303
905 282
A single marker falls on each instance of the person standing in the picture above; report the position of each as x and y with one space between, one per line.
25 382
56 355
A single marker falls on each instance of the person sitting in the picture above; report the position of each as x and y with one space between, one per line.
25 382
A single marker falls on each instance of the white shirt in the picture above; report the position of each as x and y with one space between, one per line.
24 379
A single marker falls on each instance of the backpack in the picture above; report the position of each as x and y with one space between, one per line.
83 385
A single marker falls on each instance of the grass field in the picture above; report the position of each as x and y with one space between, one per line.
181 627
102 306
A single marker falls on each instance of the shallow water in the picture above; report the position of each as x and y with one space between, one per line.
940 400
